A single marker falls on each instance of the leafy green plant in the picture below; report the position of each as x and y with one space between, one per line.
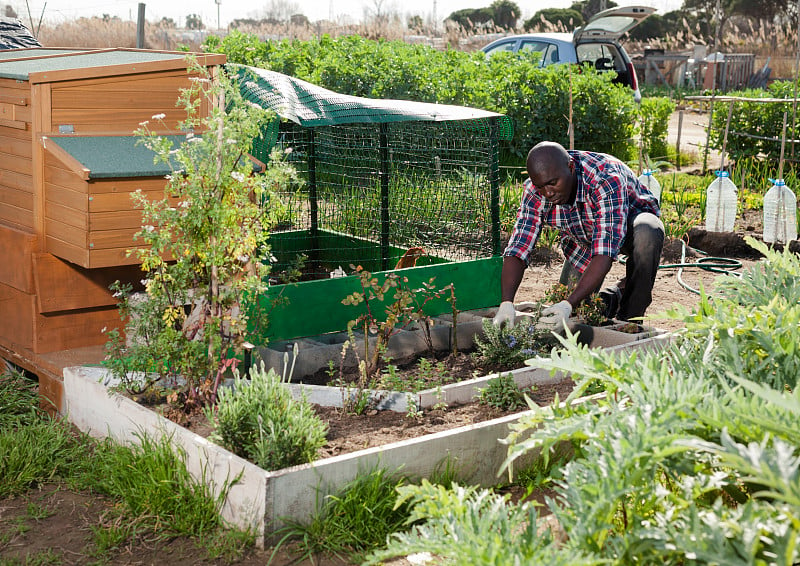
591 310
203 246
502 393
467 525
654 113
259 419
401 307
688 449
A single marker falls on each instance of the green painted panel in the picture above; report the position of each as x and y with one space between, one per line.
333 250
315 307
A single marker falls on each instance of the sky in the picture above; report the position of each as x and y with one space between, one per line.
344 11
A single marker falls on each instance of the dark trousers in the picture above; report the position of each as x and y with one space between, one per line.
642 246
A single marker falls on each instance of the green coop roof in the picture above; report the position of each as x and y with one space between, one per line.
114 156
310 106
109 157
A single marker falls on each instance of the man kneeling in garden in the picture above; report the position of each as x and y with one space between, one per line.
600 209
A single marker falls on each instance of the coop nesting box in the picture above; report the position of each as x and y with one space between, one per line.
69 163
381 177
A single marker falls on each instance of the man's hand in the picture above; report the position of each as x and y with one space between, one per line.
506 314
555 317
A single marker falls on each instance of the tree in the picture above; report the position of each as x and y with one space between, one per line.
469 18
167 23
547 19
193 21
589 8
652 27
213 226
299 20
505 13
762 9
10 12
280 11
415 23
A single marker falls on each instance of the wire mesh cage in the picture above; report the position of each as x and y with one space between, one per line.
388 184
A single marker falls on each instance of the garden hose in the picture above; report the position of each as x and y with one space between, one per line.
723 265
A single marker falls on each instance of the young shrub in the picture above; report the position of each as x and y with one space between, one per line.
508 347
591 310
654 114
202 246
502 393
258 419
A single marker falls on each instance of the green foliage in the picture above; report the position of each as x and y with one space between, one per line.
157 491
19 401
357 518
465 525
654 121
502 393
36 451
691 456
509 346
764 119
194 318
261 421
604 114
761 340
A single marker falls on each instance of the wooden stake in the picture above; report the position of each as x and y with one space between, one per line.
725 137
783 145
678 141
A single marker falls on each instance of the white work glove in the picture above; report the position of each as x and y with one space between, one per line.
555 317
506 314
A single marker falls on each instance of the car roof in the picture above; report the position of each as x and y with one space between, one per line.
553 37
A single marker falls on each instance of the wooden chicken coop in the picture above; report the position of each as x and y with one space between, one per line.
70 162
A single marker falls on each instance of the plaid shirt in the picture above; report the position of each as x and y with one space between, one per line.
608 194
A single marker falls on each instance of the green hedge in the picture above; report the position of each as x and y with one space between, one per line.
537 100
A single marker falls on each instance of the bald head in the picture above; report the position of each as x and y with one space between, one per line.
545 156
552 172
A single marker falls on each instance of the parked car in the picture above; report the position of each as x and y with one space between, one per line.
596 43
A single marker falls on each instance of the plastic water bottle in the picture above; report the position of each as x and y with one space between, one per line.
780 214
652 184
721 203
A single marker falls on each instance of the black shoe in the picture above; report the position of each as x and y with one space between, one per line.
611 297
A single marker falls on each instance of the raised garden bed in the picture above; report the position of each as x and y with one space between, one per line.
262 500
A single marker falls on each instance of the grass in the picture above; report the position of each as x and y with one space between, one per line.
355 520
154 494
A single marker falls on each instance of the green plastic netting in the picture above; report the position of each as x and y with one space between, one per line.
381 176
